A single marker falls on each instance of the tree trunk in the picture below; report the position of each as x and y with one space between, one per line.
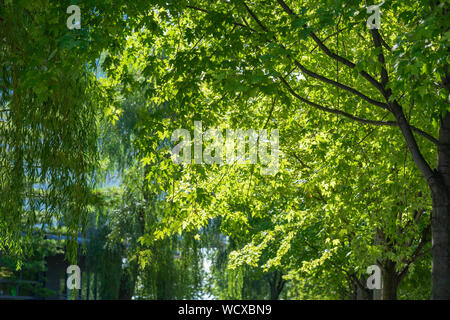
440 220
276 283
439 184
390 281
360 291
88 285
125 288
128 281
95 285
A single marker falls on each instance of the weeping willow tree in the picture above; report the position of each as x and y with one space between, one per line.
124 259
123 266
49 103
48 115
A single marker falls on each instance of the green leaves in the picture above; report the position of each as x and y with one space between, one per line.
345 194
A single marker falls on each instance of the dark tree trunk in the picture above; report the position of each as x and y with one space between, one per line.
88 285
360 292
440 220
95 285
276 283
128 281
125 288
390 281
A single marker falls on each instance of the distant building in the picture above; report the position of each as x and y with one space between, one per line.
48 285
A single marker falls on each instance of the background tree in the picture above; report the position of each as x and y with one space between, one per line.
326 59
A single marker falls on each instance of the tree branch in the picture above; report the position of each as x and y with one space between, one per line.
333 55
404 125
350 116
340 85
376 37
377 84
315 75
207 11
425 239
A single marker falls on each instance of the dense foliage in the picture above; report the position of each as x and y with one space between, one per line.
86 123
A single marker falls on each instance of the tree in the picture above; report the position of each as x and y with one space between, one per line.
50 101
362 114
48 133
319 54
